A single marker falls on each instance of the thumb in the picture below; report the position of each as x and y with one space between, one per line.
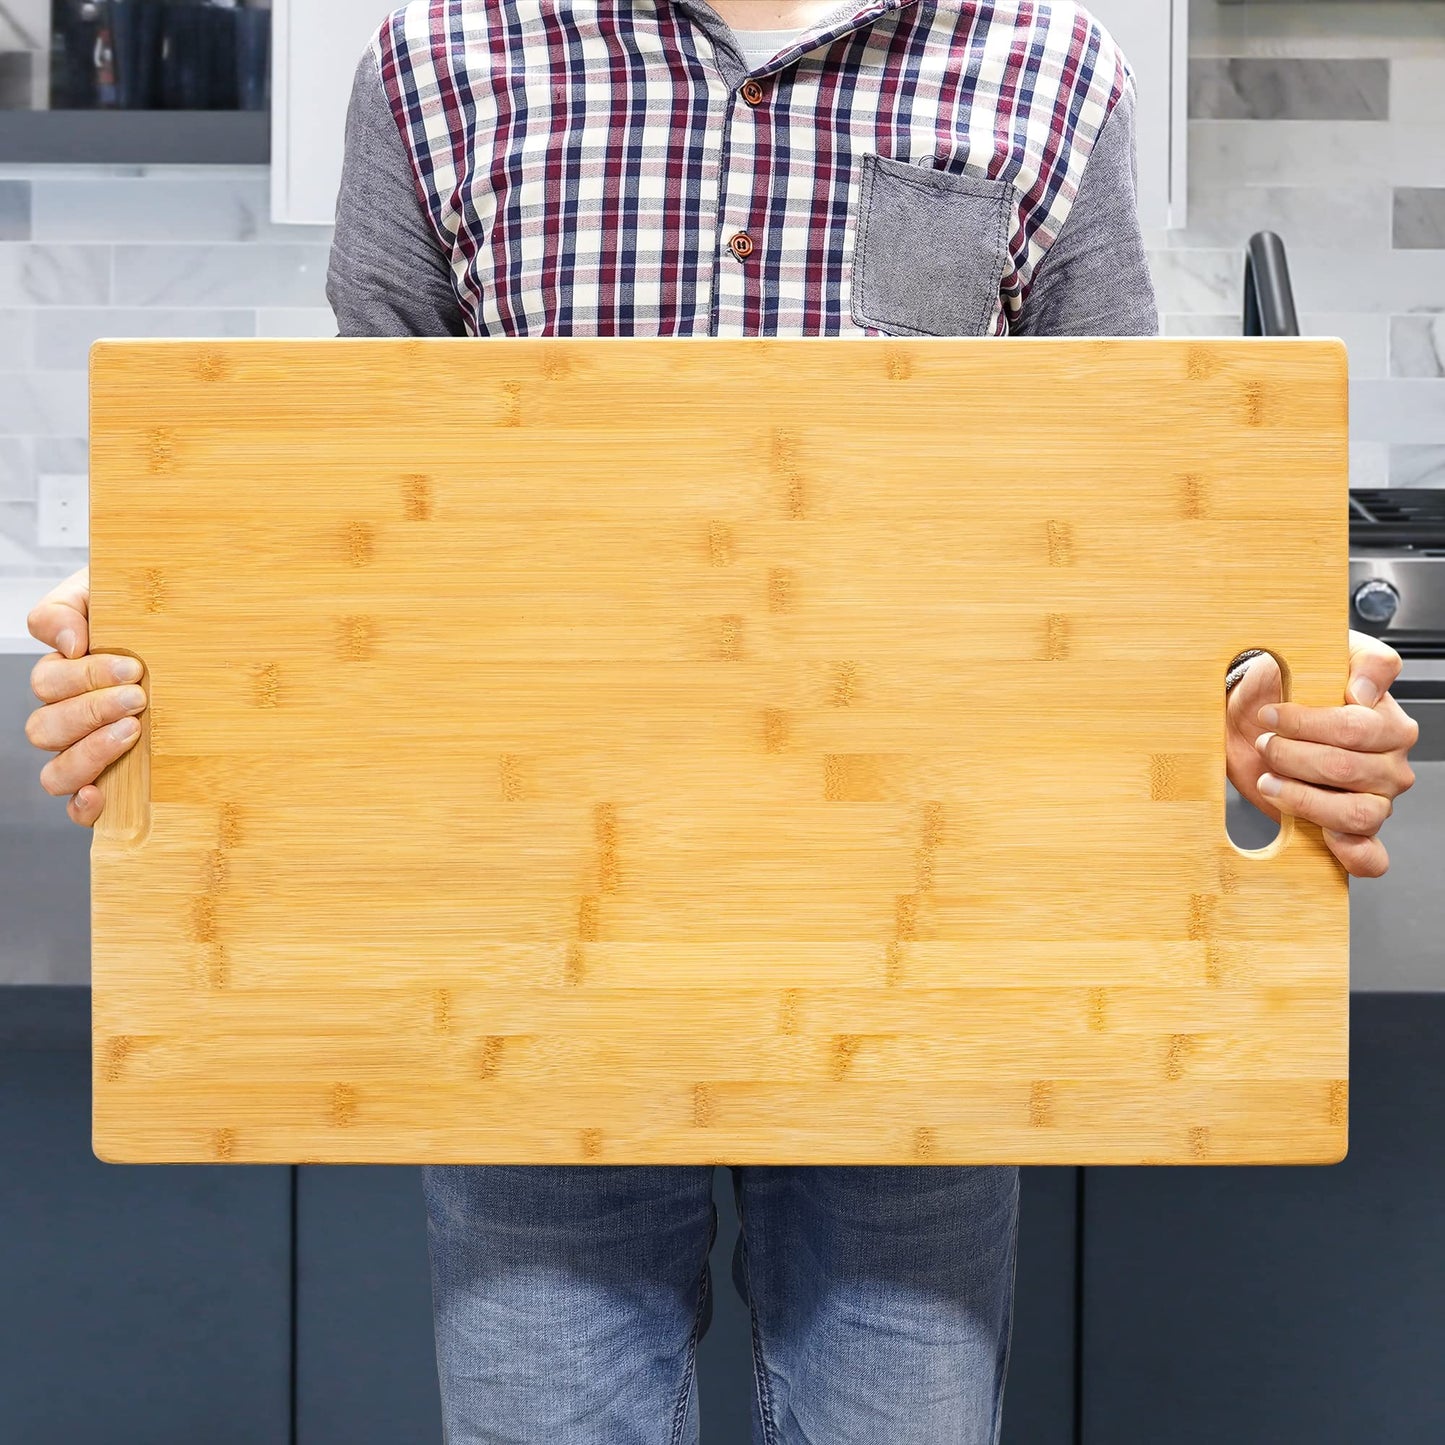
1374 665
1261 684
61 618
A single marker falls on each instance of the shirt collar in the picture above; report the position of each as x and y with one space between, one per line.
848 16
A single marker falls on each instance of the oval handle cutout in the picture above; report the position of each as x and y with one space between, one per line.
1262 679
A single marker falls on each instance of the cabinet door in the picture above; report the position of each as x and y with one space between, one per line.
1154 35
138 1303
315 45
365 1351
1038 1403
1264 1305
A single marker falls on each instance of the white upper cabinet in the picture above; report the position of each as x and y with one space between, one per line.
317 43
1154 36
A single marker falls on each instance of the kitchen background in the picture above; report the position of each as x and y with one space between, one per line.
261 1305
1322 121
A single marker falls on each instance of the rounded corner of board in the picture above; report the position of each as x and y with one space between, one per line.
1338 351
103 1147
103 353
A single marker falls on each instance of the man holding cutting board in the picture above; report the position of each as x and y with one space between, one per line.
754 167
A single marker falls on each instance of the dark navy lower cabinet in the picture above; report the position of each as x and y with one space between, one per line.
365 1352
1038 1402
139 1304
1270 1306
237 1305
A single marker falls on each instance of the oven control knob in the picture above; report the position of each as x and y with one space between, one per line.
1376 600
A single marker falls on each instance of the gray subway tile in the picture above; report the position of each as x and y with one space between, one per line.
17 470
62 342
17 328
1420 217
1314 153
1367 281
40 275
221 275
1417 92
1417 345
1417 466
1204 281
1200 323
1369 464
295 321
1317 28
1228 88
43 403
19 550
1356 215
14 210
164 207
1398 411
69 455
71 170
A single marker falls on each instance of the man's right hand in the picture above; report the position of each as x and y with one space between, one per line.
89 701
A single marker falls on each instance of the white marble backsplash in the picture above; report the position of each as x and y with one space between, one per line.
1417 345
1323 122
1326 124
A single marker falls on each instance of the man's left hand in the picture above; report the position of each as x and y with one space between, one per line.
1340 767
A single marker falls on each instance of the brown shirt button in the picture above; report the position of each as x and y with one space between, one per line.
752 92
741 244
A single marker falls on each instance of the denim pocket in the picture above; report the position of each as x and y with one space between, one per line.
930 251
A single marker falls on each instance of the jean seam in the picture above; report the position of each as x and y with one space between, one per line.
760 1370
433 1250
760 1365
679 1414
1009 1336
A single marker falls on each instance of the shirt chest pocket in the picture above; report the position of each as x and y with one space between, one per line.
930 251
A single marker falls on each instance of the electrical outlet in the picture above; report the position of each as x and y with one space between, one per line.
63 510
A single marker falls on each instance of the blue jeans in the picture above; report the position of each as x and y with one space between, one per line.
569 1301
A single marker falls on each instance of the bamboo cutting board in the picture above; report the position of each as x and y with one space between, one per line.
699 750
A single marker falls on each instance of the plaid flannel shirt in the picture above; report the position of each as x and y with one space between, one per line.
613 167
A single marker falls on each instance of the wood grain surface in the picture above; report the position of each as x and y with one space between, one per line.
699 750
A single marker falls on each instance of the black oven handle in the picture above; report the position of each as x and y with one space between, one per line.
1424 699
1268 296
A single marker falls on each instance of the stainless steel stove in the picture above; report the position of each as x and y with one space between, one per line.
1397 593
